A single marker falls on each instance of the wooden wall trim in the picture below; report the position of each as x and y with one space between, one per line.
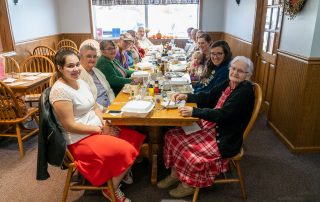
295 109
78 38
238 46
25 48
36 39
309 60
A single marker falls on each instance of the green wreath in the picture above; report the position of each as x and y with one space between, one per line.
292 7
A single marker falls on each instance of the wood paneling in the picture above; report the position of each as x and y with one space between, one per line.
238 46
78 38
295 109
215 36
25 48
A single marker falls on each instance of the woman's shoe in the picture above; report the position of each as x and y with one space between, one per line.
120 197
128 178
167 182
181 191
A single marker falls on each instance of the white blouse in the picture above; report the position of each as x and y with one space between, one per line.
83 106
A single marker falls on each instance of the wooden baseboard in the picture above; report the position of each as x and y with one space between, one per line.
290 146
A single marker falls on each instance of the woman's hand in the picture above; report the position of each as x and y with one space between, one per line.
186 111
179 96
110 130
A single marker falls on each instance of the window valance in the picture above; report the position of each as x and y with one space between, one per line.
141 2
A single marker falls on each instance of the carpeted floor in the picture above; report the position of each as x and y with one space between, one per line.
271 173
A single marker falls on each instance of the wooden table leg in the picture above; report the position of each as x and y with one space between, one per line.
154 140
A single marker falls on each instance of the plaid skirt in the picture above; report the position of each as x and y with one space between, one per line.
196 157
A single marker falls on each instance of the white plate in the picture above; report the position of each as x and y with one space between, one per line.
171 105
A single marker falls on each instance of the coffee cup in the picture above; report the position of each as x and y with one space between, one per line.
134 89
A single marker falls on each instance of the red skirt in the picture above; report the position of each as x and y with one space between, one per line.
101 157
196 157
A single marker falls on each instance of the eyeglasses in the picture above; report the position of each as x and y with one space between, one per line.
217 54
240 71
91 56
72 65
109 49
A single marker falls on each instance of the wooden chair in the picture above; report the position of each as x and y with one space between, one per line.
53 79
235 161
69 163
11 65
69 48
37 63
45 51
66 42
12 116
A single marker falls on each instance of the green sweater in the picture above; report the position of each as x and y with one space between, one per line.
113 75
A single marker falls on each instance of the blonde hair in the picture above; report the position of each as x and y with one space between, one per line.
197 54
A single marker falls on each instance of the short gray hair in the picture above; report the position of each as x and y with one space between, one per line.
86 47
246 60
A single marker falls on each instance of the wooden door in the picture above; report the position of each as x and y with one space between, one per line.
266 53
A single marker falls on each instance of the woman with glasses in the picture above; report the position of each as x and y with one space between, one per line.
116 75
126 41
99 86
216 69
198 156
101 151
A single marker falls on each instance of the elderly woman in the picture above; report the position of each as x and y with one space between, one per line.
101 151
116 75
143 40
216 69
196 159
97 82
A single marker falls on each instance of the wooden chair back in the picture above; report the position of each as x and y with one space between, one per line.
66 42
11 65
53 79
12 116
235 161
37 63
70 48
9 107
45 51
69 163
256 109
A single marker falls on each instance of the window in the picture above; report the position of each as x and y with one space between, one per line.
172 20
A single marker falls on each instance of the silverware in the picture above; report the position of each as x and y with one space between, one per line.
168 104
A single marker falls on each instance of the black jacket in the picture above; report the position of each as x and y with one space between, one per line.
51 143
232 119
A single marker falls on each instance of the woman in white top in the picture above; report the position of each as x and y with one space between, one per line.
101 151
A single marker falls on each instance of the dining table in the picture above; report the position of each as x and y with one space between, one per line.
154 121
26 82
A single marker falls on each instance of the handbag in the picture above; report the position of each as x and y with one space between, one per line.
9 108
